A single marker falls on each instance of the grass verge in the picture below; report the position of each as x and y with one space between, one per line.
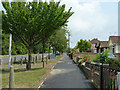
28 79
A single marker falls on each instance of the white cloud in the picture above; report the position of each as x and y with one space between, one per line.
88 20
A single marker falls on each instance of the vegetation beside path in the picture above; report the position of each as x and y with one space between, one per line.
28 79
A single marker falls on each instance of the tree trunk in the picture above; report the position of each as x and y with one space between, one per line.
43 54
55 51
28 66
49 53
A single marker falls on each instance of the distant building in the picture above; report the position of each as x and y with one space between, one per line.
98 46
103 45
114 44
94 47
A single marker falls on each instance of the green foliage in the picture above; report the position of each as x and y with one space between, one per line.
68 53
17 47
33 22
97 58
5 44
37 48
83 45
83 60
114 63
59 40
86 56
105 56
102 57
74 50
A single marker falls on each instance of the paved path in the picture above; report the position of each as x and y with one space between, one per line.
66 75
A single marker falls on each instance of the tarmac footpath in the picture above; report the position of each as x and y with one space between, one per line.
66 74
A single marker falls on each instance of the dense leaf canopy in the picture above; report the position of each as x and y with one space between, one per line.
32 21
83 45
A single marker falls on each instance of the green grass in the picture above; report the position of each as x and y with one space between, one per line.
27 79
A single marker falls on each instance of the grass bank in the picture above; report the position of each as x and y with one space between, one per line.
28 79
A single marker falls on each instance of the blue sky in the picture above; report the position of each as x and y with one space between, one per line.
93 19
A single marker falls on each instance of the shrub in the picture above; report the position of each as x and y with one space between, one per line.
113 63
86 56
97 58
83 60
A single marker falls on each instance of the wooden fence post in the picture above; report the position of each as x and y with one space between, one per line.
106 75
118 80
14 59
25 59
33 60
11 61
21 62
11 77
40 58
0 62
43 62
101 77
36 59
46 59
92 71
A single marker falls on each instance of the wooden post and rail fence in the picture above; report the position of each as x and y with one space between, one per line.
102 75
11 75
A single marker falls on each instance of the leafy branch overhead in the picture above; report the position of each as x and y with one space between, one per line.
30 21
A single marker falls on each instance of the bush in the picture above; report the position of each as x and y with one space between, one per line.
86 56
97 58
113 63
83 60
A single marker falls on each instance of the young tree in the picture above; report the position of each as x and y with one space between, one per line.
33 22
83 45
58 41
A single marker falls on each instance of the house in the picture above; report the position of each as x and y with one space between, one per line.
98 46
114 44
103 45
94 47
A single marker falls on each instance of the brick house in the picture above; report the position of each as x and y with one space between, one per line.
98 46
94 47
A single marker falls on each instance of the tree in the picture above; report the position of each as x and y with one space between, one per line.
58 41
33 22
83 45
75 50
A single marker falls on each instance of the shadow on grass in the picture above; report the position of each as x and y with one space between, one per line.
19 70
